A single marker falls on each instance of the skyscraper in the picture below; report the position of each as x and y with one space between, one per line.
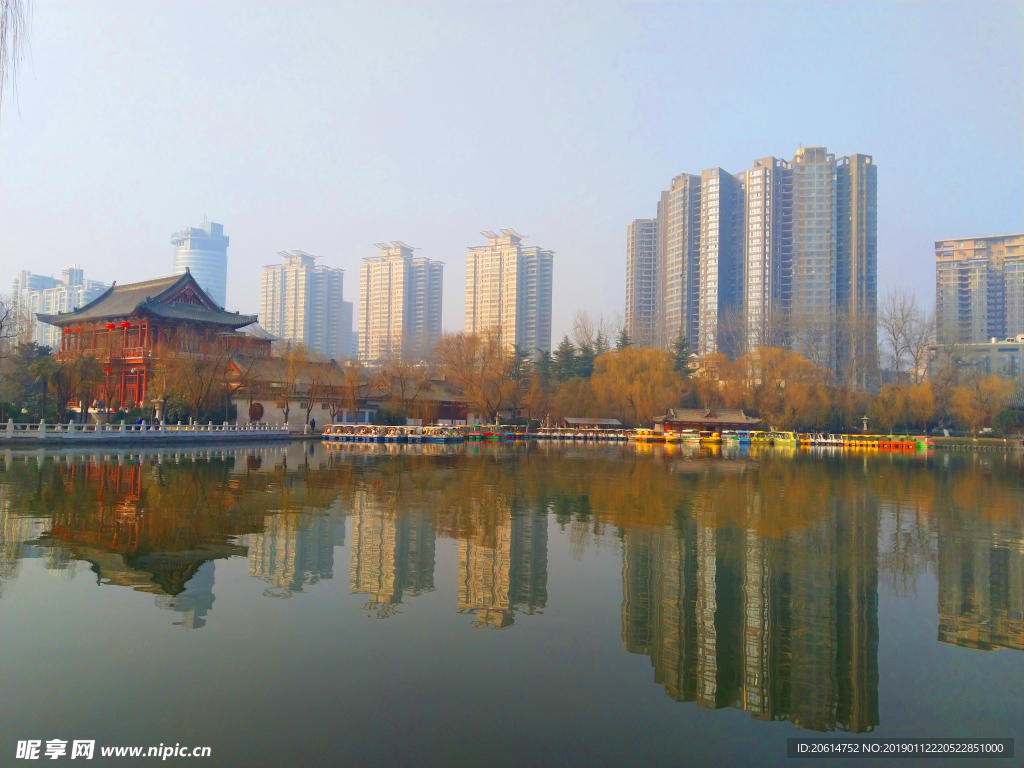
768 239
399 304
720 302
678 261
979 288
642 281
783 254
203 251
40 294
302 303
508 286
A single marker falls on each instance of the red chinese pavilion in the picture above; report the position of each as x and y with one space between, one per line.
130 326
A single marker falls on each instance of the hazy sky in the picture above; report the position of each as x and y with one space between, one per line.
329 127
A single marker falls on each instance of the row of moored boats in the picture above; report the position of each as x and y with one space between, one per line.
368 433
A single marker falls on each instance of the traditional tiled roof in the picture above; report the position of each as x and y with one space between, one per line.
579 422
156 298
711 416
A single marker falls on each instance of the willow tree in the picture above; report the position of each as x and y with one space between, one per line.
14 16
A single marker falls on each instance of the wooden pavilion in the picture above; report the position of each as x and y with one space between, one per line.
708 419
129 328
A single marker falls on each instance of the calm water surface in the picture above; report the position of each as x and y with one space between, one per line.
505 606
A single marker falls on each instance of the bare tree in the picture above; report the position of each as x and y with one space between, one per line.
317 380
13 322
406 381
584 329
920 343
897 318
732 332
480 366
856 344
193 369
14 19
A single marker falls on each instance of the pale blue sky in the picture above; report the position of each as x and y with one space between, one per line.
329 127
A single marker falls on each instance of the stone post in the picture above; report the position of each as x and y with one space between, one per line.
42 429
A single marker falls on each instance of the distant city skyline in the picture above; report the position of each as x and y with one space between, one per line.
100 162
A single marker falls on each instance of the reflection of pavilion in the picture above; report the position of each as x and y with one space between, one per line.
194 601
392 553
296 548
786 629
504 568
152 528
981 580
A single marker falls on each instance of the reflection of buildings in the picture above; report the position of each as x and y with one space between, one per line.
15 531
295 548
504 567
392 554
785 628
981 579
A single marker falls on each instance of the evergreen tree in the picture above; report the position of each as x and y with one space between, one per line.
544 365
623 341
681 353
521 365
601 344
585 361
565 360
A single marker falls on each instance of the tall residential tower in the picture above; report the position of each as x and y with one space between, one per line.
508 286
302 303
399 304
642 281
979 288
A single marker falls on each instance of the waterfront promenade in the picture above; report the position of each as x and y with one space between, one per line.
71 432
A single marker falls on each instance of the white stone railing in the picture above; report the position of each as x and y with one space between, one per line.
143 431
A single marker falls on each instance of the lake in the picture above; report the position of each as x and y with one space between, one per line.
506 605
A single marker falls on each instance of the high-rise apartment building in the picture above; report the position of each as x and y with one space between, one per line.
642 281
399 304
768 239
782 254
720 267
41 294
508 286
203 251
678 261
979 288
303 303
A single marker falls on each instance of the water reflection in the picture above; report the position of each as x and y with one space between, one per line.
392 553
296 548
750 579
785 628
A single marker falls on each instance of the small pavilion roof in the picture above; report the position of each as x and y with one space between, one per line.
709 416
162 298
574 421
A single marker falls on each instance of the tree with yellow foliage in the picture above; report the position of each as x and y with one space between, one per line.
921 403
636 383
889 406
977 400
